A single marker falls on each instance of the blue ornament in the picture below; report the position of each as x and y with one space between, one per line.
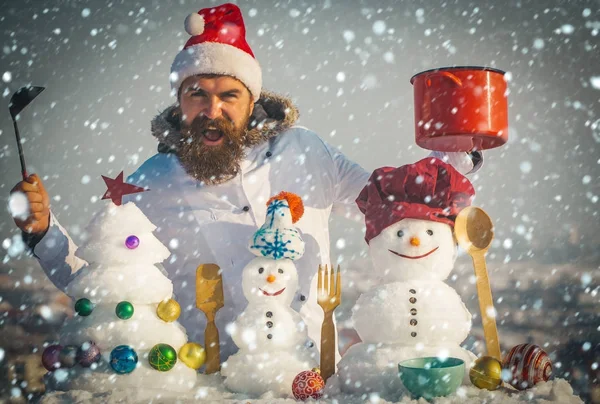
123 359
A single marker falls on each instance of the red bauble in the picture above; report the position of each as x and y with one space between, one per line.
308 384
528 365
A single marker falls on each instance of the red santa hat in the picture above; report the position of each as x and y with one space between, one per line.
429 189
217 46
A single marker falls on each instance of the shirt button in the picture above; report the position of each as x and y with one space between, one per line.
269 314
269 154
246 208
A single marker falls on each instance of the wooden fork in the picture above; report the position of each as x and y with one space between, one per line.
329 294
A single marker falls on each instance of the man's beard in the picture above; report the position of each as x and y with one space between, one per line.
212 164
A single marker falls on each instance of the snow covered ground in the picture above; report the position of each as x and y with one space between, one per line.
212 391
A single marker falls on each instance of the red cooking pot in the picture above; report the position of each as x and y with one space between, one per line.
460 108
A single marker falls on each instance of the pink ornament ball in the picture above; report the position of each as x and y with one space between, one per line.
51 357
308 384
527 365
88 354
132 242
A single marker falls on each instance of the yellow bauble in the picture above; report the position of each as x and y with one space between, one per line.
193 355
168 310
486 373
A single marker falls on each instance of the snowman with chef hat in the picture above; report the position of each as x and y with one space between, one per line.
409 216
272 338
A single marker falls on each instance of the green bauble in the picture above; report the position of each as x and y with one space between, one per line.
124 310
84 307
162 357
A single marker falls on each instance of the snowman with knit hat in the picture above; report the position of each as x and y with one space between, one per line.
409 216
272 338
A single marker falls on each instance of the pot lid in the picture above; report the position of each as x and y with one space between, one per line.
446 68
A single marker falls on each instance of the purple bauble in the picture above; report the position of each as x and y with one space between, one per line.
132 242
88 354
51 357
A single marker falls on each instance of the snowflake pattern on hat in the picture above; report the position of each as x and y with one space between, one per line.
277 238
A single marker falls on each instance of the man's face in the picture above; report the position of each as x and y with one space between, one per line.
215 112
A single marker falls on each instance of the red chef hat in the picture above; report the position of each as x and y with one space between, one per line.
429 189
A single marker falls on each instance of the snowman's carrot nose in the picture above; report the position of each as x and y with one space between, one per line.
415 241
271 278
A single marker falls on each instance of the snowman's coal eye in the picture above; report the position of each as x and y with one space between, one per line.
261 270
400 233
430 232
280 270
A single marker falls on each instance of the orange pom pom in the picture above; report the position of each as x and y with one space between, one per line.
295 202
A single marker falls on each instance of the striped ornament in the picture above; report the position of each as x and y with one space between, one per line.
528 365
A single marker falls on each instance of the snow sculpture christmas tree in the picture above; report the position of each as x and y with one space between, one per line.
125 334
409 213
272 338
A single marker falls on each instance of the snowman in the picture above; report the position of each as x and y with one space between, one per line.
272 338
411 313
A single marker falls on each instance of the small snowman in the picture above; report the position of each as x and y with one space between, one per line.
272 338
409 215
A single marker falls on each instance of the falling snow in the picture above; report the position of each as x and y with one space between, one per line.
347 69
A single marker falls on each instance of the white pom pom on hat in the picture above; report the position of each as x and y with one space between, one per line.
194 24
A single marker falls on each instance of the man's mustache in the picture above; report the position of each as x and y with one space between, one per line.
201 123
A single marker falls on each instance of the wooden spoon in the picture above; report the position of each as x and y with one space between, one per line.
474 232
209 299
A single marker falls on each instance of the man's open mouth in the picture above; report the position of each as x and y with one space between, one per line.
272 294
413 257
212 136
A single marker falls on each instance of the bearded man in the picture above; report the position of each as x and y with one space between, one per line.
224 148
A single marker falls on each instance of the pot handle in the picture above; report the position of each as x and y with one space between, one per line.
449 75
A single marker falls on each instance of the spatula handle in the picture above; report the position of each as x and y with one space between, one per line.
486 305
211 345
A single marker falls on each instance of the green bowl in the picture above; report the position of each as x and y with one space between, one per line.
431 377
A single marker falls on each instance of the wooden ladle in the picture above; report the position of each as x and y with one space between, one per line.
474 232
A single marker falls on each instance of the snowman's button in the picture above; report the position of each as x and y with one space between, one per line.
413 322
412 291
269 314
413 334
413 311
269 324
269 336
412 300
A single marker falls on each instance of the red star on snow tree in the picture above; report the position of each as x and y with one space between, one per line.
117 188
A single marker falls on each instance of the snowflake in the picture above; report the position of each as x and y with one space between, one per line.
276 248
277 204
